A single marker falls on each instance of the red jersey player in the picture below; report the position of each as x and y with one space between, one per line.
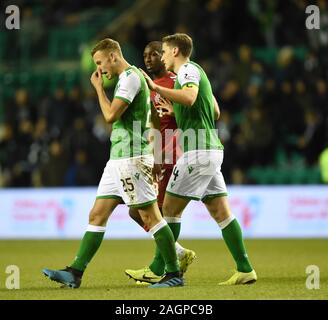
167 128
166 122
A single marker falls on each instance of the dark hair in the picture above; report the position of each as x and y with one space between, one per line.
155 45
180 40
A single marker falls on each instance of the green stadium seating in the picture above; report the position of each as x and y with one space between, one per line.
313 175
283 176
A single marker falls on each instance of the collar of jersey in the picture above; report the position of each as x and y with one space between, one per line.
122 73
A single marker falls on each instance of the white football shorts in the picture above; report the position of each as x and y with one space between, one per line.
129 179
197 175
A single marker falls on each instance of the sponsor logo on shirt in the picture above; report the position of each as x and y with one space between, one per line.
190 77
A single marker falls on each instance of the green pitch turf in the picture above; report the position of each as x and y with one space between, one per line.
280 265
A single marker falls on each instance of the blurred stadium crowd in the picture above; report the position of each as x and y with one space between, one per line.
268 72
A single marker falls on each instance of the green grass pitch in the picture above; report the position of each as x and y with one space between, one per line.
280 265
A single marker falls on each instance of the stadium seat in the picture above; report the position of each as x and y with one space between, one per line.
312 175
261 175
71 79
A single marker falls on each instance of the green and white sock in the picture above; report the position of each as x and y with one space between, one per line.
179 249
233 238
89 245
166 245
175 225
158 264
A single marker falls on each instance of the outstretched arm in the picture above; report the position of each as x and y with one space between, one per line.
187 96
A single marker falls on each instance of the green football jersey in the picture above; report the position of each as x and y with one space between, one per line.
198 121
128 136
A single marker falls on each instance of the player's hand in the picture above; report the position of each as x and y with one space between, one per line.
157 172
165 107
96 79
150 82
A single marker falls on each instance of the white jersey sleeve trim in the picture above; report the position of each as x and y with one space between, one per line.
188 73
128 87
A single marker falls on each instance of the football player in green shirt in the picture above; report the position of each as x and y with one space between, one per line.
197 174
128 173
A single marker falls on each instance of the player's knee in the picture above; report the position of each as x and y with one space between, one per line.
97 218
215 214
150 221
165 210
169 211
219 214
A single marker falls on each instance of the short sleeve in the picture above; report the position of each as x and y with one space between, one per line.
128 87
188 73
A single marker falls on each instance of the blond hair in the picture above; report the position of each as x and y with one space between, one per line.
107 44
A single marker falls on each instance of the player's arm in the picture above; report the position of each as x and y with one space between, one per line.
216 109
189 80
112 111
128 89
185 96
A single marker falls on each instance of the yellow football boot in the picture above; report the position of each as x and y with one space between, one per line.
143 275
240 278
